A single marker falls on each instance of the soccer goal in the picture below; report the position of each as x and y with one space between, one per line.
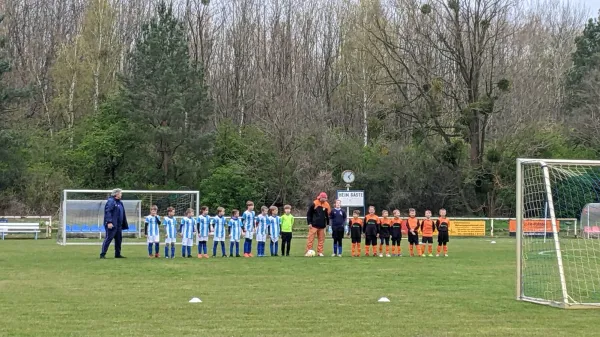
82 213
553 267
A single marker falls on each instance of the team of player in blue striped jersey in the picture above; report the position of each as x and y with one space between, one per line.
266 225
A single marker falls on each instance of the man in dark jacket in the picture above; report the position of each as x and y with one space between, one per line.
317 217
115 221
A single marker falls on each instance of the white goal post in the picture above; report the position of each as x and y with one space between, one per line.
82 213
554 268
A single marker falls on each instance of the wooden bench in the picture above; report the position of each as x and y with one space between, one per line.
12 228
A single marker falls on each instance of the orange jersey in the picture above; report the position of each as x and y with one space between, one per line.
427 227
412 224
442 225
355 222
385 227
371 224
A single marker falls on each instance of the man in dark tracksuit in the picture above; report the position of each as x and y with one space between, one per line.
338 222
115 221
317 217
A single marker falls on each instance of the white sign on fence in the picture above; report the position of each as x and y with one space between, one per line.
351 198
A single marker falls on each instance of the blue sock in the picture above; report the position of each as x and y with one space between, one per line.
189 249
215 248
237 248
231 248
205 247
246 246
149 249
250 247
166 250
223 248
156 247
183 250
271 247
276 247
172 250
262 248
199 248
340 249
335 248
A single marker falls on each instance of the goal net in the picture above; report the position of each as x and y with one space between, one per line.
82 213
554 266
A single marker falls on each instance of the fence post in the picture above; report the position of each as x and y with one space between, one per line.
492 228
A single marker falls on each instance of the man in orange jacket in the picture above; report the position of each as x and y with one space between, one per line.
317 217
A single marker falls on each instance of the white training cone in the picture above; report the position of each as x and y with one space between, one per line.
384 299
493 242
195 300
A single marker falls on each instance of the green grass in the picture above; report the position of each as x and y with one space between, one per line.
49 290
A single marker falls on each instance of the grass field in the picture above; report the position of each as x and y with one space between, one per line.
49 290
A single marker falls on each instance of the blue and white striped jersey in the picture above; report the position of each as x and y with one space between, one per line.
274 226
204 225
249 218
169 224
152 222
187 228
263 223
235 228
219 226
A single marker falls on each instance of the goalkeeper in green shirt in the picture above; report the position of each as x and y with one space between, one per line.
287 223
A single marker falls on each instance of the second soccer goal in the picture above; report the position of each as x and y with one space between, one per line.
558 265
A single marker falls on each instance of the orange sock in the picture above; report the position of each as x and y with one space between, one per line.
387 250
374 250
430 249
353 248
358 249
399 250
366 250
420 249
445 249
439 249
411 250
380 248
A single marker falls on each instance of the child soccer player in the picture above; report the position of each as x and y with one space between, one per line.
171 238
287 224
151 230
396 233
427 229
274 230
235 231
412 225
384 233
219 231
261 230
356 229
203 229
338 220
443 226
371 230
249 219
187 233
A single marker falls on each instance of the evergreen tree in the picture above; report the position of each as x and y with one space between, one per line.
165 94
586 61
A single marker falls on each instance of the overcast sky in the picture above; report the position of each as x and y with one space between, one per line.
594 6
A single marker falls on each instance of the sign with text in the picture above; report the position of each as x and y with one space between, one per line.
351 198
537 226
467 227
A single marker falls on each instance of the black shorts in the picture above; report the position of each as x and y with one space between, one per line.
356 238
443 238
396 240
428 239
371 240
384 240
337 234
413 239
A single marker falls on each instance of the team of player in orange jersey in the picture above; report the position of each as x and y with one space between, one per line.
385 228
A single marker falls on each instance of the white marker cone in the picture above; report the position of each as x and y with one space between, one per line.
195 300
384 299
493 242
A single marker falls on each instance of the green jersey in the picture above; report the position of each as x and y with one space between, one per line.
287 222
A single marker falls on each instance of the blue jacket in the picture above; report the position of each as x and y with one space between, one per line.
114 213
338 218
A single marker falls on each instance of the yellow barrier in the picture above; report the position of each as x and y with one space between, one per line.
467 227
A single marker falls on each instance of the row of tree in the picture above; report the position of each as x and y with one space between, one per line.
430 102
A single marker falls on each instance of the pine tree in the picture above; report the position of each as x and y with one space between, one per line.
165 92
586 63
